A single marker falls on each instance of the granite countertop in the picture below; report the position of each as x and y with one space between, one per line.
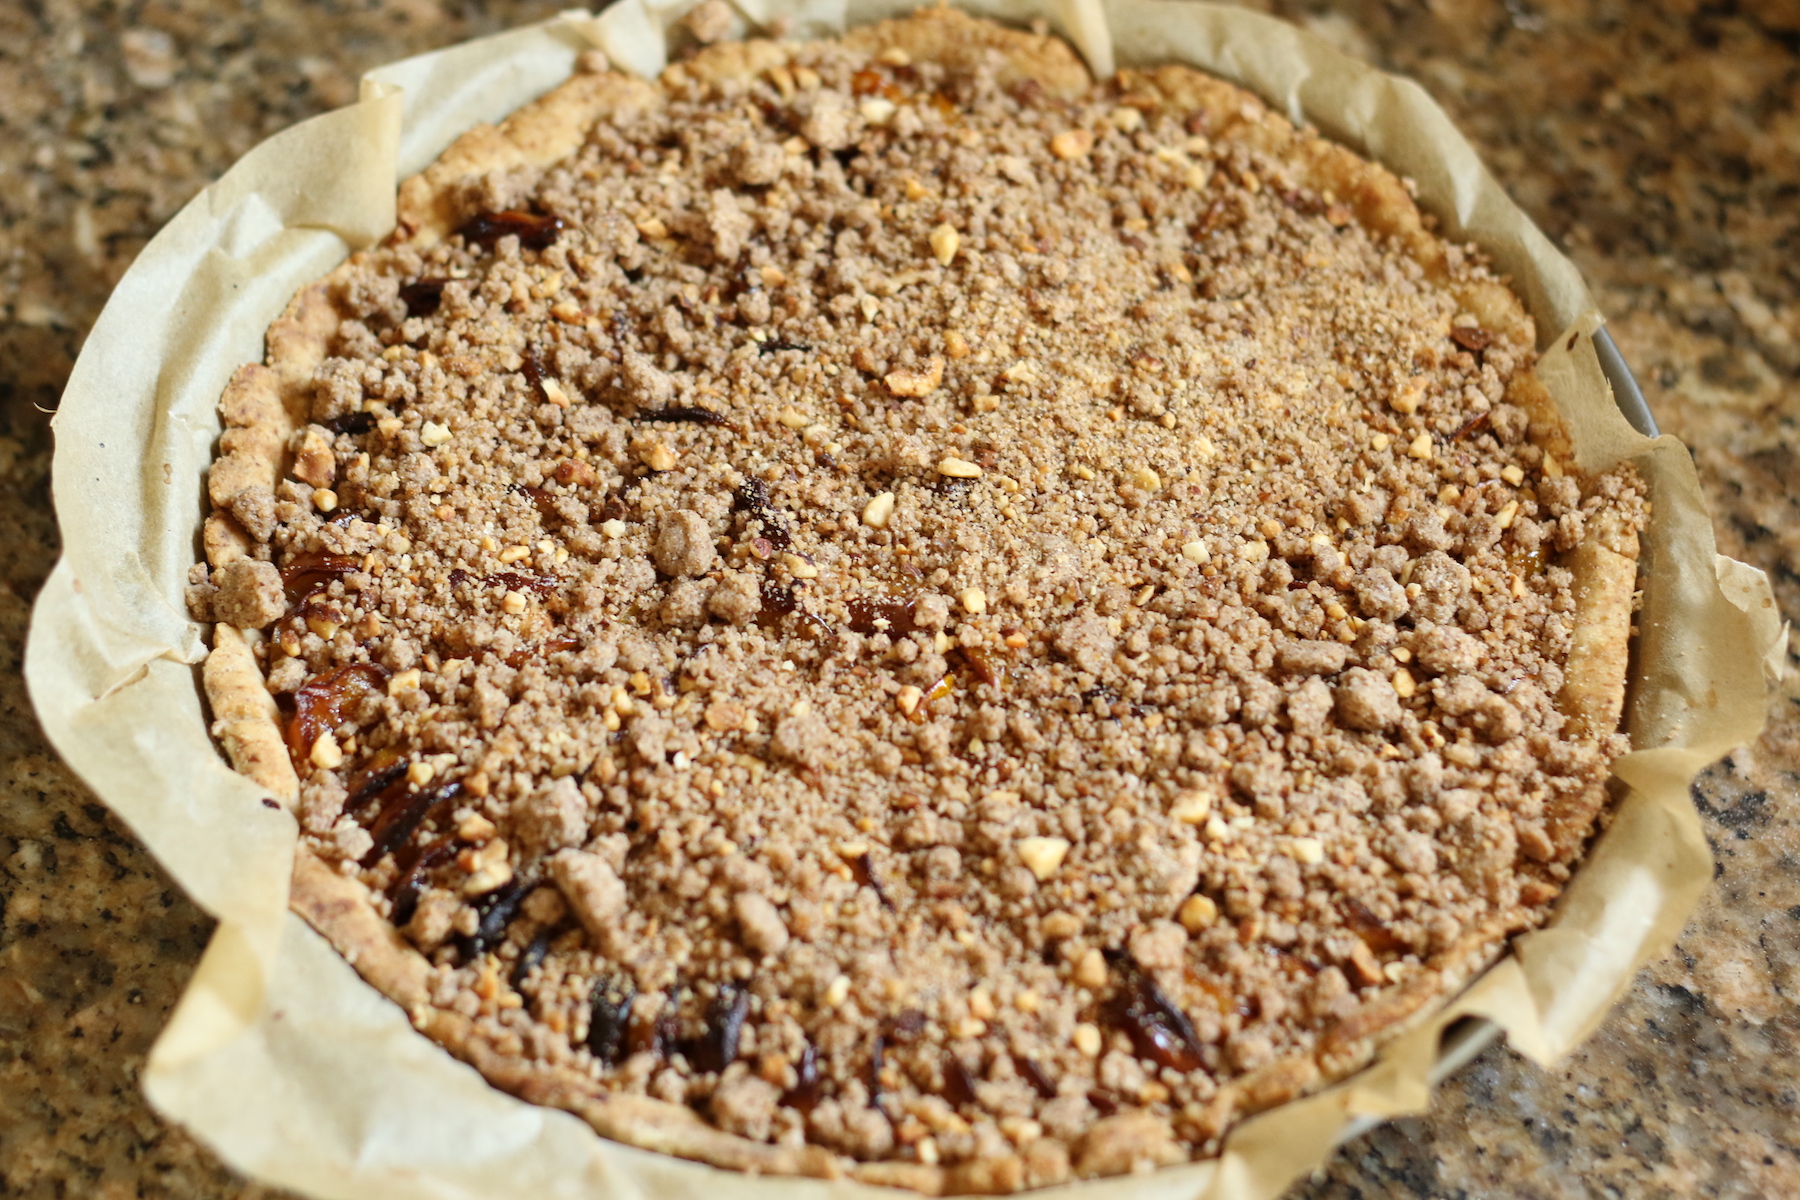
1658 142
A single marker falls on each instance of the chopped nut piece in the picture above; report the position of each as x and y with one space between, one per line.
325 752
325 500
656 455
1196 552
1147 479
1308 850
907 699
916 382
1072 143
1043 855
957 468
434 434
876 512
513 554
475 828
973 600
944 243
1513 474
1197 912
489 875
404 681
1191 807
613 528
798 567
1090 971
837 992
1087 1039
1420 447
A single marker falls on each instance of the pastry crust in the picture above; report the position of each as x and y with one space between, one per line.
265 406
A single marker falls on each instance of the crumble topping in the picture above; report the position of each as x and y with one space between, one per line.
908 610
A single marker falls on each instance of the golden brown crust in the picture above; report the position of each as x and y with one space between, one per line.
959 41
340 911
244 715
260 412
543 132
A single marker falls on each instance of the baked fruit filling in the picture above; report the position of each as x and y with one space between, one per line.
879 606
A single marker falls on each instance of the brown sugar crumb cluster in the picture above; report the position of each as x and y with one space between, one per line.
929 614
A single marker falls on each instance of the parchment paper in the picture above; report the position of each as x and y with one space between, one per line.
297 1073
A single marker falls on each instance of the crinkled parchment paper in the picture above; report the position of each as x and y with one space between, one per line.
297 1073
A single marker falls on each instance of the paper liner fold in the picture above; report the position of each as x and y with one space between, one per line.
299 1074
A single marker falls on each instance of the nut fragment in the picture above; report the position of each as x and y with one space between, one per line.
325 752
1197 912
958 468
1043 855
1196 552
876 512
944 243
1087 1039
1071 143
1090 972
405 681
798 567
656 455
1191 807
1420 447
433 434
973 600
513 602
1147 479
837 992
907 699
916 381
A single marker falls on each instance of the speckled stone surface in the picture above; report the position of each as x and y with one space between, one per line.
1659 143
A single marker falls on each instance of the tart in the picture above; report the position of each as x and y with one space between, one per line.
879 607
